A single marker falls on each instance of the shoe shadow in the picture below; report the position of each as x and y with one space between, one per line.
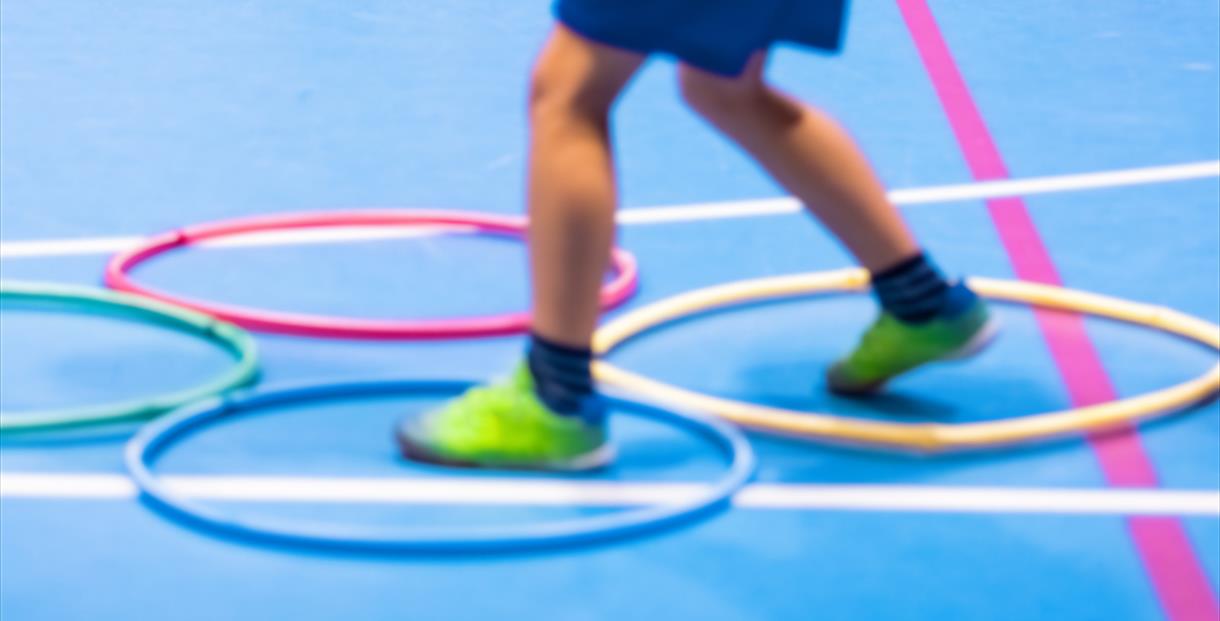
798 385
943 395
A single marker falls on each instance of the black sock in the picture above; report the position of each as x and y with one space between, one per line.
563 376
913 291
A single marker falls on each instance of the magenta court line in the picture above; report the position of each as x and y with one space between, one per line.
1169 560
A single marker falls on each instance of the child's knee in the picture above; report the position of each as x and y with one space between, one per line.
716 96
547 92
557 90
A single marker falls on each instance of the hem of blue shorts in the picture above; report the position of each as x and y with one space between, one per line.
722 69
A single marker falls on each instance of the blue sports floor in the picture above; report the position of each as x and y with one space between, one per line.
126 119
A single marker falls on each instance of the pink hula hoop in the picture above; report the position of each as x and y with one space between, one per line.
613 293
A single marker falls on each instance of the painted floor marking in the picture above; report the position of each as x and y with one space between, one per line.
670 213
550 492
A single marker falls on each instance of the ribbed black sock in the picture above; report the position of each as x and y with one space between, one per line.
913 291
563 376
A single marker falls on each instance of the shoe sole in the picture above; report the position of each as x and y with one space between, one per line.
981 340
596 459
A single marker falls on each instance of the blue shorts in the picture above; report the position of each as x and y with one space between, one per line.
714 35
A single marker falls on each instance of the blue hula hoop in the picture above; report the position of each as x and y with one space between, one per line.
150 442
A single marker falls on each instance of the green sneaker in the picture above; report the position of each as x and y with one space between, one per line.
505 425
892 347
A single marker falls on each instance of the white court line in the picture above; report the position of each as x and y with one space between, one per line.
549 492
674 213
328 235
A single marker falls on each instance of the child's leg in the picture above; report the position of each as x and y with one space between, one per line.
572 193
810 155
925 317
546 415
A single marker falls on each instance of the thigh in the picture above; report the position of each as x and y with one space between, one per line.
577 70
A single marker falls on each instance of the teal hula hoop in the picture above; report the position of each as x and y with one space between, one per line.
235 341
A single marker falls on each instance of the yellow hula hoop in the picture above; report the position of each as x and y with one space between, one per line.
912 437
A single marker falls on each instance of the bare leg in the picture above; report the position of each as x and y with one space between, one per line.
572 194
810 155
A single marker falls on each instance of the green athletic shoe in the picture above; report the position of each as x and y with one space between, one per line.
505 425
892 347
